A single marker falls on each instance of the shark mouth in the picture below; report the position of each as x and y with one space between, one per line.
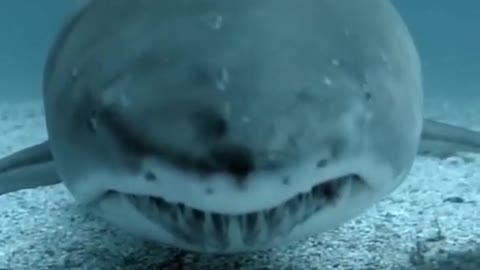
213 231
202 230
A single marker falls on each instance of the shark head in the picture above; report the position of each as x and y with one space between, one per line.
227 127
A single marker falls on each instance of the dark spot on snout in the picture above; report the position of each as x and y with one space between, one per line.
305 95
209 191
322 163
150 176
234 159
209 124
368 95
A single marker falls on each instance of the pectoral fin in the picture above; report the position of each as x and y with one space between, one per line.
443 140
28 168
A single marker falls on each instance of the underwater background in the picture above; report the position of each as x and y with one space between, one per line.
447 35
431 222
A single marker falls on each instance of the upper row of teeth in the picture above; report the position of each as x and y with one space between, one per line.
250 228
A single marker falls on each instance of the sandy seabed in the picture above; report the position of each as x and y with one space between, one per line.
431 222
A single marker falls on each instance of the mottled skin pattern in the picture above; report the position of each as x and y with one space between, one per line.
229 126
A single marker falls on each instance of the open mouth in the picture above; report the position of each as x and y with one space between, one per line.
209 230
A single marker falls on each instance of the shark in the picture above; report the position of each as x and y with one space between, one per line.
231 126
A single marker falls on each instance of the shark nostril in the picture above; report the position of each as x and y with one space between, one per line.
234 159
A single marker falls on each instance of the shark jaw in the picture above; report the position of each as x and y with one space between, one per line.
214 221
252 230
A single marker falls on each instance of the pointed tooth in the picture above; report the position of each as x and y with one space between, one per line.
287 223
208 229
262 227
249 227
220 223
235 230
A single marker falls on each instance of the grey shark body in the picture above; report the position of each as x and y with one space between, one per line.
221 126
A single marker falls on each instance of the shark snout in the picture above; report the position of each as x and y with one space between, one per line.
197 140
212 130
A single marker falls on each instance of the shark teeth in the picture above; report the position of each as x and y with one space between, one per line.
214 231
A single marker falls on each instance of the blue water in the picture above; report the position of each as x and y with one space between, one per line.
446 33
28 28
